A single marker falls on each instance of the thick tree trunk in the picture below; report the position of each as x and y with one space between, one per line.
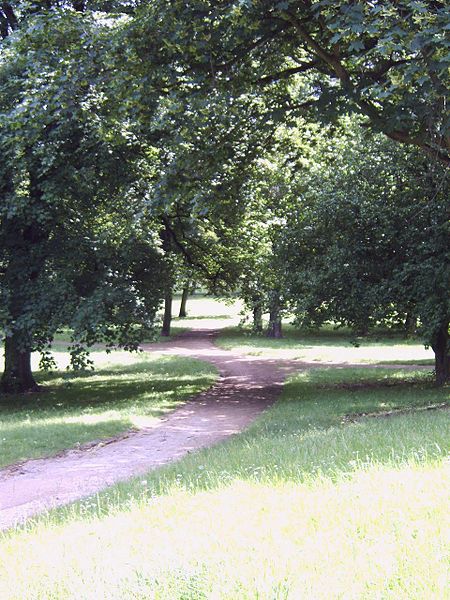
441 355
274 329
257 319
25 259
167 320
17 377
184 297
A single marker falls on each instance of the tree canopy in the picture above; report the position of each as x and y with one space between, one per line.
144 140
388 60
365 241
73 250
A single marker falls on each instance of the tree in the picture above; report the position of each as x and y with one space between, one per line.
74 251
202 153
14 14
366 238
262 283
389 60
188 285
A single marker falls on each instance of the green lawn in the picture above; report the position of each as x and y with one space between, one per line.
328 345
304 504
126 391
202 311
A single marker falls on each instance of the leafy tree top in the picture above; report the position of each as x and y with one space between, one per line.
389 59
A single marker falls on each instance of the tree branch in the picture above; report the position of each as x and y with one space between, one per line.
332 59
243 50
180 246
384 67
286 73
10 15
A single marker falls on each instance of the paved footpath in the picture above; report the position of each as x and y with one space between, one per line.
246 386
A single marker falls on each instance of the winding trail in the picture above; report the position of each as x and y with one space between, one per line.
246 386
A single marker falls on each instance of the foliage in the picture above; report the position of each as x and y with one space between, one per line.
74 251
365 241
262 282
389 60
125 122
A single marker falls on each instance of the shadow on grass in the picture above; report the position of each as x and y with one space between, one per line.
112 387
104 392
301 439
304 436
63 342
336 394
43 439
79 407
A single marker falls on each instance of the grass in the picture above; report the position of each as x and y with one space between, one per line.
204 311
126 391
302 505
328 345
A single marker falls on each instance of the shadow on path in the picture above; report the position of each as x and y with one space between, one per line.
246 386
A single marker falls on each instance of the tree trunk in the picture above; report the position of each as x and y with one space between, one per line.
410 325
184 297
274 330
167 312
17 377
79 5
25 260
362 326
257 319
441 355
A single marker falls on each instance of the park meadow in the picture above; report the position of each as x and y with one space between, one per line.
224 300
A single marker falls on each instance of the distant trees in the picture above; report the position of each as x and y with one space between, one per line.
387 61
262 284
350 228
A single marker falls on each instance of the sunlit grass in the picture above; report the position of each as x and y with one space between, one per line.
380 534
328 346
207 311
126 391
301 505
203 306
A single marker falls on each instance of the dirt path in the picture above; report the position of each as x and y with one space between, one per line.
246 386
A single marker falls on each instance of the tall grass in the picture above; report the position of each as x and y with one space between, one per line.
305 504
